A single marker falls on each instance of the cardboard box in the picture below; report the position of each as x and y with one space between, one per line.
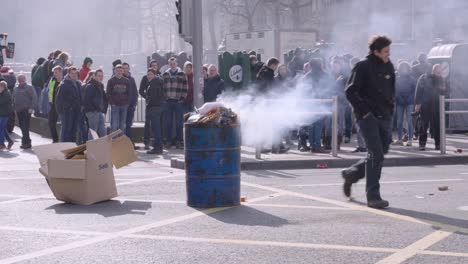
85 179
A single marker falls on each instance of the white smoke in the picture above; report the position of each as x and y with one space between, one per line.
267 117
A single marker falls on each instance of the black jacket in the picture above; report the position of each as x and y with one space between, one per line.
213 87
371 88
265 79
95 99
155 96
68 96
428 90
5 103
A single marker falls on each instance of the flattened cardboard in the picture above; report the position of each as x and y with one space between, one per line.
90 180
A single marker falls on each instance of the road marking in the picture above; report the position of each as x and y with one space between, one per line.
26 198
299 206
440 253
129 231
21 178
463 208
53 231
148 179
382 182
413 249
449 228
124 199
264 243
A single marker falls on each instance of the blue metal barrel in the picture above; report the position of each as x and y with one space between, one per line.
212 166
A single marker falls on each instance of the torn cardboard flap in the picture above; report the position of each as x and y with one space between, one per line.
87 176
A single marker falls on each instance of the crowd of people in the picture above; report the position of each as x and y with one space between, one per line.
78 98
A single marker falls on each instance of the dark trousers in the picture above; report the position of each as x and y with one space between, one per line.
129 122
11 122
83 128
53 119
24 120
174 113
348 121
70 119
429 119
155 115
378 136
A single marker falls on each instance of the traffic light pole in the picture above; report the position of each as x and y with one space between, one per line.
197 52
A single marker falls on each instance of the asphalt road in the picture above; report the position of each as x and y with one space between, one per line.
292 216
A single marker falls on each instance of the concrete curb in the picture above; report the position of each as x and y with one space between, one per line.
339 163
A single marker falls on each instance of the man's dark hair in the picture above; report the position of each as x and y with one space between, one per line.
253 57
377 43
125 63
72 68
56 54
273 61
151 70
87 60
153 61
99 70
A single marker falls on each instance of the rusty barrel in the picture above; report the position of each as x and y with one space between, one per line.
212 165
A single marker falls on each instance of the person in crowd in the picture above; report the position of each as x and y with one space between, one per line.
10 78
155 99
283 75
255 67
41 76
421 67
49 65
214 85
95 103
38 88
62 60
118 94
175 92
405 91
144 85
114 65
297 63
428 89
205 72
52 93
303 132
5 110
361 144
319 82
68 104
133 101
336 89
24 102
85 68
188 102
371 92
266 76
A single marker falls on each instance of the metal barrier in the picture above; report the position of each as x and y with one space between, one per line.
442 101
333 113
140 111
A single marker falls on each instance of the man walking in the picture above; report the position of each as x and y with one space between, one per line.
371 92
95 104
175 92
118 95
68 104
25 99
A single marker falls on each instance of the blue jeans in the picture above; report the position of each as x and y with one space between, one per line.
315 134
3 130
129 121
96 122
174 112
70 119
401 111
118 117
378 136
155 115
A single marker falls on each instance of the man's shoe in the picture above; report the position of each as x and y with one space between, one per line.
422 148
168 146
147 146
437 147
180 145
349 175
409 143
347 140
358 150
320 151
26 146
10 144
304 149
2 147
378 204
155 151
398 143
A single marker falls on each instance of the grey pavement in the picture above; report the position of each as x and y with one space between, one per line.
291 216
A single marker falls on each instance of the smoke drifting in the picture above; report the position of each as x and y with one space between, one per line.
269 116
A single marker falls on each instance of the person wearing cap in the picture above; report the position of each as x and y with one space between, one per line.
86 68
114 65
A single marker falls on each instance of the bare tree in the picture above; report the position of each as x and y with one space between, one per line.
245 9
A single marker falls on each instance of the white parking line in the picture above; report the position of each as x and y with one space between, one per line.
382 182
299 206
413 249
148 179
